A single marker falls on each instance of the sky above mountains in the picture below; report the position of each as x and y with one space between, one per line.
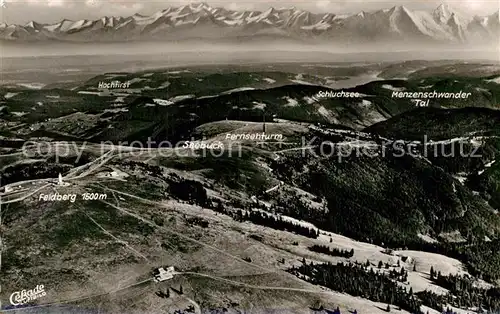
49 11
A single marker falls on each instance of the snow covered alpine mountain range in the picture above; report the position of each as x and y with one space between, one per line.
201 21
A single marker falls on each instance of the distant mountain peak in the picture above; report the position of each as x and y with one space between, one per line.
32 24
400 8
201 4
442 13
200 20
443 7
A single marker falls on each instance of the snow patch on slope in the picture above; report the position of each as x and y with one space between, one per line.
495 80
239 89
269 80
390 87
291 102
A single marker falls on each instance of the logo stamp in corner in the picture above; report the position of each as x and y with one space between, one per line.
25 296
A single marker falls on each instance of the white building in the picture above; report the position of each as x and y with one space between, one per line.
61 182
162 274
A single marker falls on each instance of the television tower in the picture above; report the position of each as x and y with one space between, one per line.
264 121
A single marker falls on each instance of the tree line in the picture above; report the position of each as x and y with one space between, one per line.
357 280
463 293
331 251
278 223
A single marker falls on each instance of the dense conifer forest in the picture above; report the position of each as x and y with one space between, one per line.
278 223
